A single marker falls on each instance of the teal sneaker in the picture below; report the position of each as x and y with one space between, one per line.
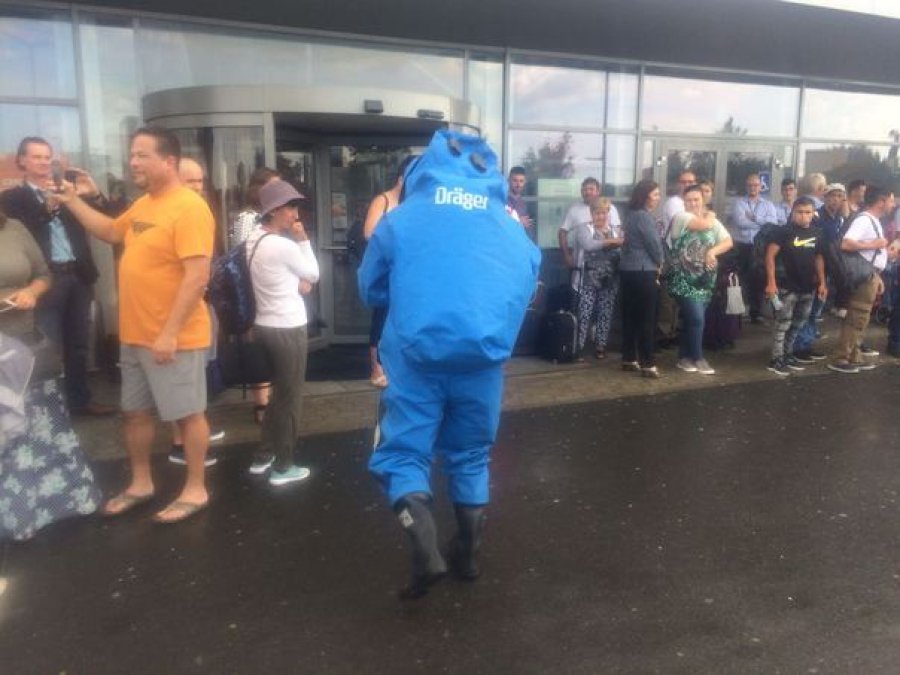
291 475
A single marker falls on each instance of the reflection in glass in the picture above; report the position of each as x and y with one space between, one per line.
229 155
486 91
622 101
701 162
556 154
358 174
618 169
556 95
351 66
844 162
37 53
724 108
741 165
58 124
173 55
850 115
111 99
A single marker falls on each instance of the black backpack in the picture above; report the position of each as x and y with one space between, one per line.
230 290
769 233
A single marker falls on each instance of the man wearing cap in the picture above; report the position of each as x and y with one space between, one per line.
282 264
164 325
830 219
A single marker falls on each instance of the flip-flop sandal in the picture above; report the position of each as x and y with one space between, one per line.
184 510
127 501
381 382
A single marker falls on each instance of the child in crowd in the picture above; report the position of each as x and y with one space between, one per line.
799 249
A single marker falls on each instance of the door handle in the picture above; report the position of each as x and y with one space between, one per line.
333 248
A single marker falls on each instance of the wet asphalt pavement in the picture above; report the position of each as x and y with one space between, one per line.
745 529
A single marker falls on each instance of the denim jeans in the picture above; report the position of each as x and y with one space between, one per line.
63 315
693 313
793 314
807 335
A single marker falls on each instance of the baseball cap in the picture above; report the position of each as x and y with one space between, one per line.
835 187
277 193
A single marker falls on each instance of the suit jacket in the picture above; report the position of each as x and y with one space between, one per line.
23 204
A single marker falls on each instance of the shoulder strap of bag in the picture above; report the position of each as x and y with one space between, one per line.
875 252
253 252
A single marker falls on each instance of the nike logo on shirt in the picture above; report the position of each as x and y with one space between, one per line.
804 243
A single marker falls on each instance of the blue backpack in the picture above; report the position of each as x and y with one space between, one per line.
457 271
230 290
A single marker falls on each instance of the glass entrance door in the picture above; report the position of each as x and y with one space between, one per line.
357 173
727 164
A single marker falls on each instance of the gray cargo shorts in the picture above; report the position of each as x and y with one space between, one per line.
177 390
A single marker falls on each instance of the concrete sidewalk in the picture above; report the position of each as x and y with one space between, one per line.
531 383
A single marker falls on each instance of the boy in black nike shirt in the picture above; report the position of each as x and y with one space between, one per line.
799 249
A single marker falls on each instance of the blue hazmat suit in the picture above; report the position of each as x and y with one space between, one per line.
458 273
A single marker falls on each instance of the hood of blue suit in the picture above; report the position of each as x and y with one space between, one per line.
460 271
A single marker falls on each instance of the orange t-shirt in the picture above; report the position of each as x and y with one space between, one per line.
159 232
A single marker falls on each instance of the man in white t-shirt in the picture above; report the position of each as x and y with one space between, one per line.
579 216
675 204
865 236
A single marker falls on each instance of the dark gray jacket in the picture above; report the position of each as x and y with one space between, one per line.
642 251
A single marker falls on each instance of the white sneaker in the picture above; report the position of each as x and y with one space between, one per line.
704 368
216 435
687 365
292 475
260 467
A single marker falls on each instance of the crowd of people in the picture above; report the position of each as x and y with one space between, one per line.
167 334
829 248
661 263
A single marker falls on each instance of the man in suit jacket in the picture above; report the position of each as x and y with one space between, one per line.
63 313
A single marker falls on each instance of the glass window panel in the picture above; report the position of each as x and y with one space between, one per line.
486 91
228 155
58 124
556 95
173 55
350 66
618 175
701 162
741 165
37 53
851 115
622 101
112 99
556 155
844 162
723 108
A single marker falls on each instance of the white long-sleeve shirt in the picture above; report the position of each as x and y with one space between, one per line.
276 270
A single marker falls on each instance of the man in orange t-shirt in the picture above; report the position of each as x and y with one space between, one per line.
164 326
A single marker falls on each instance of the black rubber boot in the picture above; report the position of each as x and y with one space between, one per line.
414 513
463 549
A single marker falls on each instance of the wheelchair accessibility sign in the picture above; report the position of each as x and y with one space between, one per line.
765 177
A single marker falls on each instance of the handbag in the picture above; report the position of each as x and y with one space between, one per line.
856 269
734 302
243 360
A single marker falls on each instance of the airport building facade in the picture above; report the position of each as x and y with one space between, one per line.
334 95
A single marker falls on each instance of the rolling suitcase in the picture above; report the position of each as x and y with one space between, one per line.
558 335
527 341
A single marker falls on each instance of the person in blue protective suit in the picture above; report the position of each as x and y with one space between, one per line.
458 273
